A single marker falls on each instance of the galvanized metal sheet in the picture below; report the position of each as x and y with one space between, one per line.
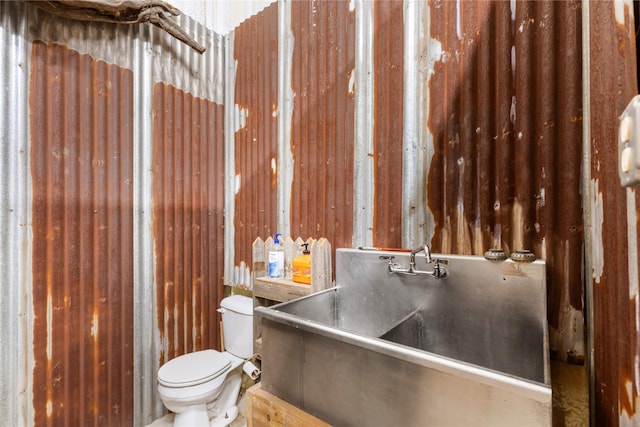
15 215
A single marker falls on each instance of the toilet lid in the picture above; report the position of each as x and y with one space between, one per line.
193 368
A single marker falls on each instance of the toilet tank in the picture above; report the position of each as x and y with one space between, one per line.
237 325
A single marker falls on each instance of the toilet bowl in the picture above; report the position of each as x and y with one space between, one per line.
202 387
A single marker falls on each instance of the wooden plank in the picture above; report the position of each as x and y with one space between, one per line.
280 290
320 264
267 410
259 259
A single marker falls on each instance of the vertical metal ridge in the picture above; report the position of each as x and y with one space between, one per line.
364 153
414 161
16 315
586 207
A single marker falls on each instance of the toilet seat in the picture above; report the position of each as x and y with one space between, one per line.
193 368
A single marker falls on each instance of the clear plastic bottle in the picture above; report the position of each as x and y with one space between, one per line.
276 259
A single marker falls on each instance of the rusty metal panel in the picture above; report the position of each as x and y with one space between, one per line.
255 143
82 170
188 211
388 122
506 170
322 125
614 213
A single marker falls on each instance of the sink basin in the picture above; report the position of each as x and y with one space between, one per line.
386 349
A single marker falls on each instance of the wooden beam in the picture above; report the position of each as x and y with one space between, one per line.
267 410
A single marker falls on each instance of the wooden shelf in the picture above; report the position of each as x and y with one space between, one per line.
279 290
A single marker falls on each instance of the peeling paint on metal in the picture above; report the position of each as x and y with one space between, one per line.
237 184
597 219
626 418
632 245
94 326
619 9
352 83
49 327
240 117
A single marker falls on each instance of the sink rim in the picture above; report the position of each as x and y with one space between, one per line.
523 386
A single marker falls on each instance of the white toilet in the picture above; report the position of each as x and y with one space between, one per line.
202 387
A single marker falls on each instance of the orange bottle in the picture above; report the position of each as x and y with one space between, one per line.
301 266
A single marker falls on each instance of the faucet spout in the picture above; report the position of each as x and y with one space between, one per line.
427 254
438 272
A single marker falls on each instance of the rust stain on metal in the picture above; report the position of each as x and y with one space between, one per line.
508 150
388 127
82 172
613 82
256 143
188 208
322 129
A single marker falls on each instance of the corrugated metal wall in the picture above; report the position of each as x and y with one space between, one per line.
114 185
188 200
460 136
506 171
469 91
388 68
322 124
614 211
82 172
255 142
472 119
303 186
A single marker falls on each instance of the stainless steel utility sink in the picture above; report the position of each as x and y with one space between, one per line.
387 349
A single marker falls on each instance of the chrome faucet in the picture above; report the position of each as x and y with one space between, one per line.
427 254
437 272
